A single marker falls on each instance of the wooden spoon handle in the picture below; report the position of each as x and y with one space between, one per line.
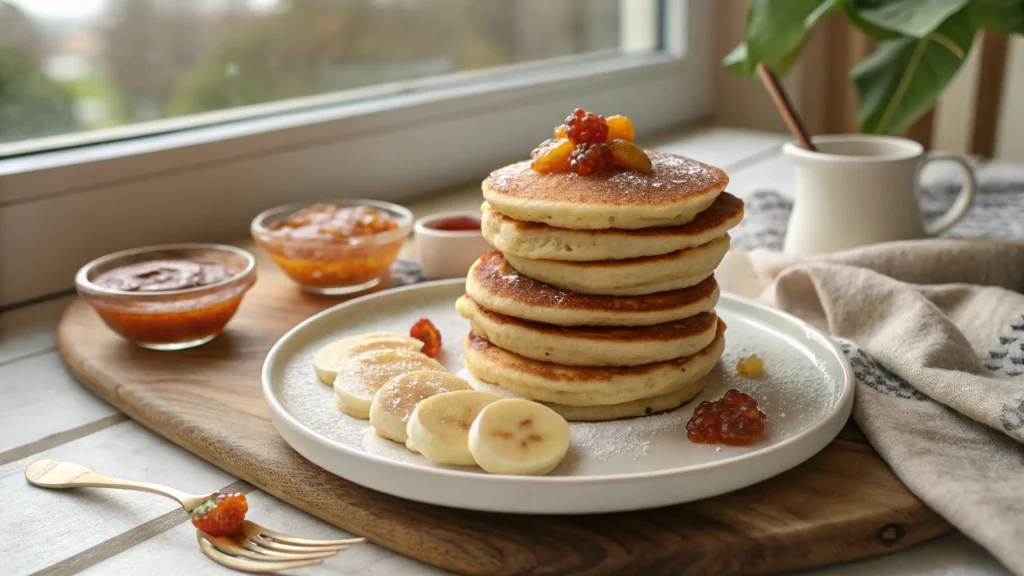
54 474
785 106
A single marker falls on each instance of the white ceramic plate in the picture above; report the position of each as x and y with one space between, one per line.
807 393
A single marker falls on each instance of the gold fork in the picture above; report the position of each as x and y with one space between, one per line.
252 549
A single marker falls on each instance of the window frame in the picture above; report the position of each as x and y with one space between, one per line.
96 194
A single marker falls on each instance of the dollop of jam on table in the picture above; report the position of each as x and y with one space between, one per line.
356 258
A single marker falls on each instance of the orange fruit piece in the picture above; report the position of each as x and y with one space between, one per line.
221 515
552 156
426 332
619 128
628 155
560 131
751 366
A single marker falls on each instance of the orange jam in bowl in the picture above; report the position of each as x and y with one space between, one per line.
168 297
334 247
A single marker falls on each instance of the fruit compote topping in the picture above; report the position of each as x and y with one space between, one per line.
733 420
332 222
426 332
221 515
752 366
590 144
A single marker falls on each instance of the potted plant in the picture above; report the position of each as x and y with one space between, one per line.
921 46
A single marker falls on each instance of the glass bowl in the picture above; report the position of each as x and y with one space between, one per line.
169 319
334 265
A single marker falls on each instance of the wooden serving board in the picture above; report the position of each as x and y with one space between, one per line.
843 504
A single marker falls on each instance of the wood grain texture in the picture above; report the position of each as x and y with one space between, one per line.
841 505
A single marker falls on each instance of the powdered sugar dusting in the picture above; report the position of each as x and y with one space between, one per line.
364 374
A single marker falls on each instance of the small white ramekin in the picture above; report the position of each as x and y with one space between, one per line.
448 253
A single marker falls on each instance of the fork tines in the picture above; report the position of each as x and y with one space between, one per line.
259 550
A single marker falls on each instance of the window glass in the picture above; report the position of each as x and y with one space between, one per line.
69 66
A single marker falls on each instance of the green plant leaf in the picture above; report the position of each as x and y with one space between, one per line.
916 18
1000 16
901 80
874 32
776 30
736 61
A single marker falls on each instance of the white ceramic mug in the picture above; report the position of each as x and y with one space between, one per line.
860 189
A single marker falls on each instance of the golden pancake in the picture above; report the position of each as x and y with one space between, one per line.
542 242
591 345
632 277
586 385
635 409
672 193
495 285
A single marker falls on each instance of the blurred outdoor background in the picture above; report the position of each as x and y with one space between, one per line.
74 65
71 67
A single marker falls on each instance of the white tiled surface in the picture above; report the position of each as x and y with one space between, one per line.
35 329
43 529
39 398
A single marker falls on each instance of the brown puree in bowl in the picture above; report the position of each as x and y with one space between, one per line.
162 275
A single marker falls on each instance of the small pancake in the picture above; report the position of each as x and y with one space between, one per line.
636 409
672 193
542 242
587 386
591 345
632 277
495 285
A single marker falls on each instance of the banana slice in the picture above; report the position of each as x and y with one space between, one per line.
394 402
439 426
366 373
329 359
517 436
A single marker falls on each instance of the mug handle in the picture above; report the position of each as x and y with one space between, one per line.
963 201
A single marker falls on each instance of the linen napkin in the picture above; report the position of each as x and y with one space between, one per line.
934 330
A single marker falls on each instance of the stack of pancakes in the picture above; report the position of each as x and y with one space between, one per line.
599 300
